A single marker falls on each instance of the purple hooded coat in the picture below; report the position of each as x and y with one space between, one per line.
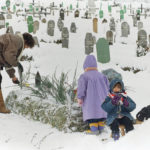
93 87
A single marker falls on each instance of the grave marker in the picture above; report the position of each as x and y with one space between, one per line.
30 24
76 13
101 14
109 37
65 38
60 24
95 25
9 16
103 54
2 21
134 21
50 27
36 41
35 26
142 38
62 14
125 29
112 25
73 28
89 43
140 25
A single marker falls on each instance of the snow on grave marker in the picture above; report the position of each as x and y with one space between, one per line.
73 28
50 27
2 21
35 26
103 53
89 43
60 24
95 26
65 38
76 14
36 41
62 14
140 25
109 37
125 29
112 25
142 38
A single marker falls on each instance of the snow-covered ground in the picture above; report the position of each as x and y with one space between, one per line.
18 133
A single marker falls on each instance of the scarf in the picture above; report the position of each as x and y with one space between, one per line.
124 95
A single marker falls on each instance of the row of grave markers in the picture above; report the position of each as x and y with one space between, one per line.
90 39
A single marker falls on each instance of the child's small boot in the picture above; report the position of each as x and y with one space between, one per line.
116 136
101 125
93 129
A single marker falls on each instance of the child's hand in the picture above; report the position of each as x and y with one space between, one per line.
125 103
80 102
115 100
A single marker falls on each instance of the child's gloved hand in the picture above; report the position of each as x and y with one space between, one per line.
115 100
80 102
125 103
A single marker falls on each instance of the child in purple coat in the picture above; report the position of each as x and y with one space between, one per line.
93 87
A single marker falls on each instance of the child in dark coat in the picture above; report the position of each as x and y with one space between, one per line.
118 107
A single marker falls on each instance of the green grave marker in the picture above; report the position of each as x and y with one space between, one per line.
30 24
121 14
109 9
103 53
7 3
7 24
71 7
14 8
101 14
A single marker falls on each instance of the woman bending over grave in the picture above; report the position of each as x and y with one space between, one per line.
11 48
118 106
93 87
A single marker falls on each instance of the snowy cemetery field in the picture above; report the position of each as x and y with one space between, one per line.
22 133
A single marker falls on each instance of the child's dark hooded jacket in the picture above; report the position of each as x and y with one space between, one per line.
114 110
